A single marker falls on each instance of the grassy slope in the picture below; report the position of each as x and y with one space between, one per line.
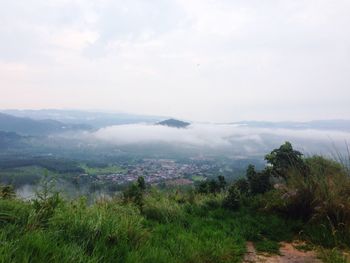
172 228
182 226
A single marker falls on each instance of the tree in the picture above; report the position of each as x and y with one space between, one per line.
203 188
259 183
242 185
250 173
135 192
232 200
214 186
141 183
285 158
211 186
222 182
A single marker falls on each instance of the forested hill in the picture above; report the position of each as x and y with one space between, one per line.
10 140
174 123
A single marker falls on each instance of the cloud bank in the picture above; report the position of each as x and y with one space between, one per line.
217 136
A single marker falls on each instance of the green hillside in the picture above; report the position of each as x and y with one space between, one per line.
293 198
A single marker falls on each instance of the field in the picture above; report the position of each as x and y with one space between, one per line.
109 169
198 178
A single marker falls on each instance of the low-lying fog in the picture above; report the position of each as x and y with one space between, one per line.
246 139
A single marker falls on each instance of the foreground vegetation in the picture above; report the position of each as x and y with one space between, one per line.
292 198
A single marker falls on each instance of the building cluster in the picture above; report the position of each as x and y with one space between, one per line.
155 171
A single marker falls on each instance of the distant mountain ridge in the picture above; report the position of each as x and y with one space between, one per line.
38 122
174 123
339 125
92 118
27 126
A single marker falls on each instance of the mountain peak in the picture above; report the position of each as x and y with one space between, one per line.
174 123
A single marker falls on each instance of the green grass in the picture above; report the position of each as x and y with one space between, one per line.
170 229
304 247
198 178
332 256
267 246
178 225
110 169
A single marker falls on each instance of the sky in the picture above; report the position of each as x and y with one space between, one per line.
203 60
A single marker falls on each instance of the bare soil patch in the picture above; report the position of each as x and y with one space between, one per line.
288 254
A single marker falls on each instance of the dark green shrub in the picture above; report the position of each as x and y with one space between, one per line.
222 182
7 192
135 193
259 182
141 183
46 201
232 200
212 186
285 158
44 208
242 185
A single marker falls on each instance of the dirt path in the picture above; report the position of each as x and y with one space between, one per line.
288 254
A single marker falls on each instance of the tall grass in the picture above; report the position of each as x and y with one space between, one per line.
320 197
171 227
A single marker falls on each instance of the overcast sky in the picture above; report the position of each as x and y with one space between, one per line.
207 60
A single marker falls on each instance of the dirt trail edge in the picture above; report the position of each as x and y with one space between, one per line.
288 254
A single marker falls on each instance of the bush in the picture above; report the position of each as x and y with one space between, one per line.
46 202
135 193
163 209
333 256
212 186
7 192
45 207
324 192
232 199
259 182
284 159
242 185
319 198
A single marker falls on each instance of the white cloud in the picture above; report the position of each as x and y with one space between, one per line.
246 139
199 135
74 39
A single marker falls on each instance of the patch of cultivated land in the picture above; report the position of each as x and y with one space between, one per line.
110 169
198 178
